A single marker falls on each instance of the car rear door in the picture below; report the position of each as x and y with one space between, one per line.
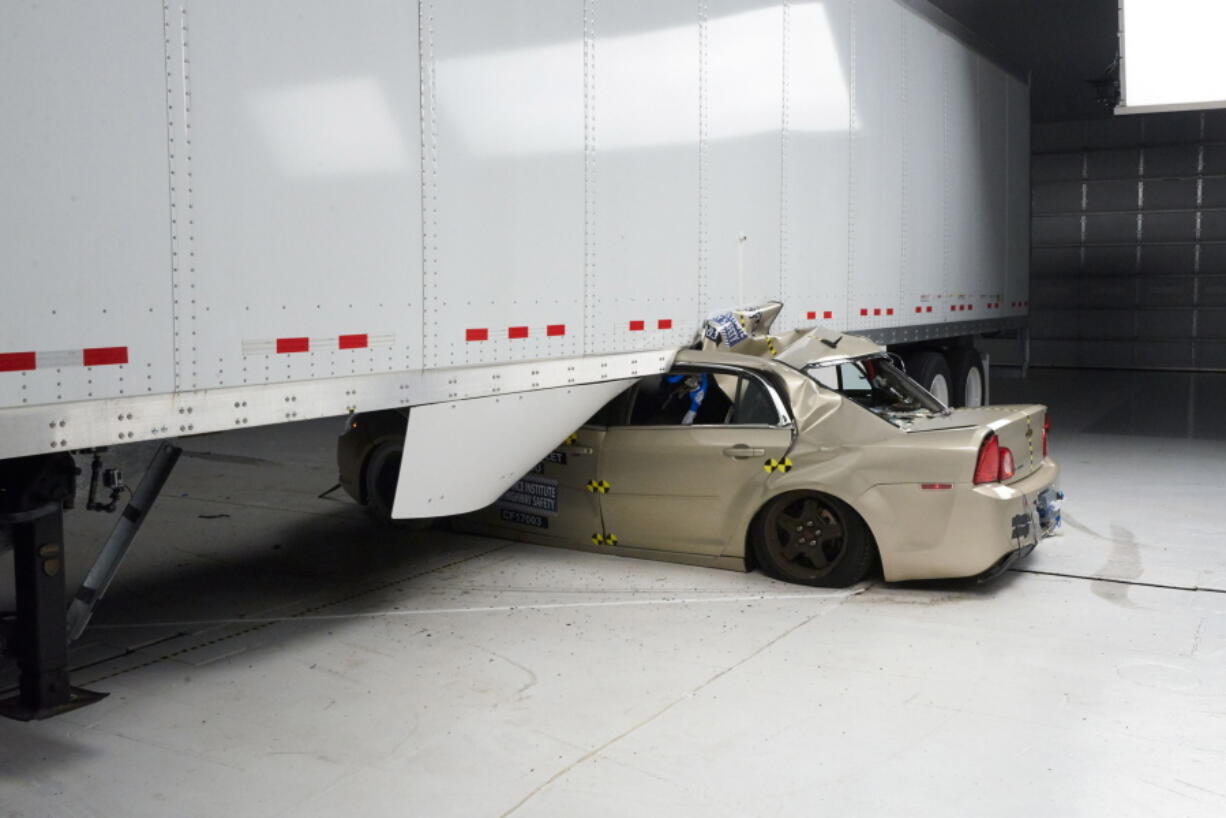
677 476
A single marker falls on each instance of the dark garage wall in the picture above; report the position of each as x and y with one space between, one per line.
1128 264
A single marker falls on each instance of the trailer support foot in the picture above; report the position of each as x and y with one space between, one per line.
33 491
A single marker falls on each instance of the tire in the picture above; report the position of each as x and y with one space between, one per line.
838 550
966 368
928 368
379 477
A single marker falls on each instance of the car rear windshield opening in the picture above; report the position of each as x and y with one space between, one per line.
877 385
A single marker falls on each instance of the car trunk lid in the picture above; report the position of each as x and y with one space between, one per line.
1018 428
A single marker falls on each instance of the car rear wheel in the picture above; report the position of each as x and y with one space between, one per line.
812 539
928 368
966 367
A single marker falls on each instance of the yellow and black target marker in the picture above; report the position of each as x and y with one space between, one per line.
770 345
784 465
1030 439
604 539
570 441
598 486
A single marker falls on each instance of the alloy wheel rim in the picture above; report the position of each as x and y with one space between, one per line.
807 536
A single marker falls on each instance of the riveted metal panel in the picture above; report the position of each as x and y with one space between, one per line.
963 171
923 181
817 79
84 224
643 100
297 190
1017 286
991 263
507 168
875 234
743 88
312 210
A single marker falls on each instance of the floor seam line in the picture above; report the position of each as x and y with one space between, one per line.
1138 583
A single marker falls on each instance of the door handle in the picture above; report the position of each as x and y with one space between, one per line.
577 450
741 450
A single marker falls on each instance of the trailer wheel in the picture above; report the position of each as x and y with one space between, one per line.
929 369
379 478
966 367
812 539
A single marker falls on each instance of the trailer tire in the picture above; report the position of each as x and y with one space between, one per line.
928 368
968 385
379 476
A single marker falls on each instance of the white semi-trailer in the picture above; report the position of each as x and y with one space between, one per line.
227 213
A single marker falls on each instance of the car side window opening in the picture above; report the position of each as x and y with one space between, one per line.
701 399
754 405
879 386
612 413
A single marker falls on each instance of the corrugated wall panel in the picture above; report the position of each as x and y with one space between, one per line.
1129 242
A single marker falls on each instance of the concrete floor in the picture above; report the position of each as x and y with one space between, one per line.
271 653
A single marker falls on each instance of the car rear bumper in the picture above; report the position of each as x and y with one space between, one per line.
965 531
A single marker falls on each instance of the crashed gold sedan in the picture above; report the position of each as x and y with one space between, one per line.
810 454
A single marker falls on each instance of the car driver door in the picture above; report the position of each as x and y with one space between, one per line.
697 449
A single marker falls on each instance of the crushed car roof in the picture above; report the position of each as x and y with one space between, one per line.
746 332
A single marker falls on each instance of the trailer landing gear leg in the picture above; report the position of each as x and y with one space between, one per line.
33 491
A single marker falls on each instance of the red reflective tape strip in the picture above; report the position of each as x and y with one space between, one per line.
352 341
936 486
637 326
664 323
863 311
103 356
929 309
890 311
877 311
17 361
828 314
517 332
919 309
810 315
293 345
555 329
476 335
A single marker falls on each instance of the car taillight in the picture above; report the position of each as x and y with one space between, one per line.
987 469
1006 464
1046 429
